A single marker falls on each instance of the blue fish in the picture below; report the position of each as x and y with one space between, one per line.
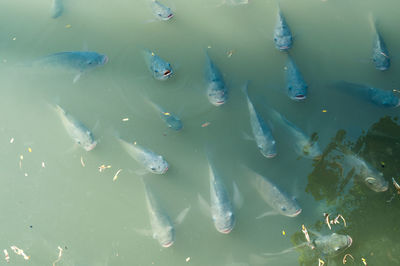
262 133
57 8
159 68
217 91
380 53
169 118
296 87
161 224
379 97
161 11
282 35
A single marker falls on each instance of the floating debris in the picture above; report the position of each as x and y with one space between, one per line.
7 257
116 174
209 47
334 221
327 220
345 258
396 185
21 157
19 251
68 26
125 119
59 255
43 165
14 38
12 140
283 232
82 162
26 174
29 149
206 124
364 261
305 232
187 259
324 110
230 53
103 167
320 262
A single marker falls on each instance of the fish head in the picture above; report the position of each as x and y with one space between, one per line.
163 71
161 11
333 244
225 222
376 183
87 141
297 92
268 151
381 61
289 207
94 59
158 165
217 94
283 43
166 237
173 122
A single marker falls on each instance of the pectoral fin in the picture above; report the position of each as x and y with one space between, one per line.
237 196
269 213
182 215
204 207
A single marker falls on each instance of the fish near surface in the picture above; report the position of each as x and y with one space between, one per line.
161 224
78 60
296 87
380 53
379 97
369 175
332 245
159 68
303 144
221 206
275 197
262 133
76 129
161 11
152 162
57 8
282 35
217 91
169 118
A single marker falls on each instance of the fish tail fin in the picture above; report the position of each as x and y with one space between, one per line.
245 88
372 21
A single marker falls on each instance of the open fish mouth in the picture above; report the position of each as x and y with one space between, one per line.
285 47
170 16
226 231
165 170
300 97
218 103
297 212
270 155
167 73
168 244
91 146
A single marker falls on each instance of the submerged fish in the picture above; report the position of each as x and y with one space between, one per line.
78 131
379 97
153 162
169 118
235 2
161 11
217 91
221 207
57 8
162 226
275 197
380 53
296 87
303 144
282 35
262 133
369 175
332 245
159 68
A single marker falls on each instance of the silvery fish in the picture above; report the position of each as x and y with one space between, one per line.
262 133
169 118
379 97
296 87
221 207
57 8
78 131
217 92
369 175
162 226
380 53
332 245
234 2
282 35
159 68
303 144
161 11
275 197
153 162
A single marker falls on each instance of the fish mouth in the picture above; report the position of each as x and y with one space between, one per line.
349 241
297 212
168 244
282 48
165 170
382 68
167 73
170 16
105 60
218 103
91 146
226 231
271 155
300 97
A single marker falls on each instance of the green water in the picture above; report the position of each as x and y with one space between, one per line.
97 221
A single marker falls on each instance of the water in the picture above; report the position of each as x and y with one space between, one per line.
96 221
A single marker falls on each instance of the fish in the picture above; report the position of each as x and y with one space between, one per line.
217 91
303 144
262 133
296 87
57 8
221 207
151 161
76 60
159 68
276 197
377 96
332 245
169 118
380 53
76 129
161 224
161 11
369 175
234 2
282 35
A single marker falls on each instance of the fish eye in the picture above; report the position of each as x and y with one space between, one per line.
275 39
283 208
152 168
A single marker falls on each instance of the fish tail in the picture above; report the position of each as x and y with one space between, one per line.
372 21
245 88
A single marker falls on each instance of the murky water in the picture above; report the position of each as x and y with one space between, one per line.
53 194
